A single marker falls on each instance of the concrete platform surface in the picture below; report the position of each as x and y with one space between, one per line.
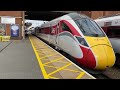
18 61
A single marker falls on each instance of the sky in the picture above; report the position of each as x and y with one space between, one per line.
35 23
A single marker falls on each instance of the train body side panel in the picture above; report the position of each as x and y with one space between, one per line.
115 44
69 45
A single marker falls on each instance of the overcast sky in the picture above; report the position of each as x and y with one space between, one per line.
35 22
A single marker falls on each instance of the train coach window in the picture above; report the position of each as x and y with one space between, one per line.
89 28
65 27
113 33
50 29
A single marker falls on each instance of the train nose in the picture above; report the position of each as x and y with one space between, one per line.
104 56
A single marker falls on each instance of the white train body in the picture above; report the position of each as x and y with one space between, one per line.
80 37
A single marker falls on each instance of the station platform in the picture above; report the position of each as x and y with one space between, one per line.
33 59
18 60
54 65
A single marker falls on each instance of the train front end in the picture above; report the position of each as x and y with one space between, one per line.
102 52
99 53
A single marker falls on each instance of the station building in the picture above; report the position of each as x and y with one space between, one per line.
12 24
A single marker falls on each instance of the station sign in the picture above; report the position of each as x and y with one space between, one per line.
7 20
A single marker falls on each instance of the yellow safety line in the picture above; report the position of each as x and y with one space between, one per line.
47 52
59 69
51 66
62 62
56 61
38 50
45 48
41 46
40 63
42 52
53 77
81 74
49 55
64 69
53 60
72 70
35 46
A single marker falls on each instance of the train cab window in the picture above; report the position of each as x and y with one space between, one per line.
82 41
89 28
65 27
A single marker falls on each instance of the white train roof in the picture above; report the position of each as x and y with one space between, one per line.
53 22
69 16
114 21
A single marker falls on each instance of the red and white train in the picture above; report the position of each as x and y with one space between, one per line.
80 37
111 26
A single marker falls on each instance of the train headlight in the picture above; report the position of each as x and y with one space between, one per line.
82 41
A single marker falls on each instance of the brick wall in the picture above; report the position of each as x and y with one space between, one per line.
88 13
109 13
97 14
18 20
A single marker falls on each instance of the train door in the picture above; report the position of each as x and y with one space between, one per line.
57 32
50 35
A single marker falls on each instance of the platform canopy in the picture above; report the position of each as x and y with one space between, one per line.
44 15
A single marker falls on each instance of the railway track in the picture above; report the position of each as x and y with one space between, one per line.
101 76
110 73
113 72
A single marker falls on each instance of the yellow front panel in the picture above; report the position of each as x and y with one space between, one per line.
102 51
110 56
100 55
92 41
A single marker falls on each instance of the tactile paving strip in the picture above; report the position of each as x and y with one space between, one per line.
54 65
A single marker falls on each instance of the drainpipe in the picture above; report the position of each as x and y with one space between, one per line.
23 24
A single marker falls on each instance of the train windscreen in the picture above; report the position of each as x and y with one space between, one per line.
89 28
